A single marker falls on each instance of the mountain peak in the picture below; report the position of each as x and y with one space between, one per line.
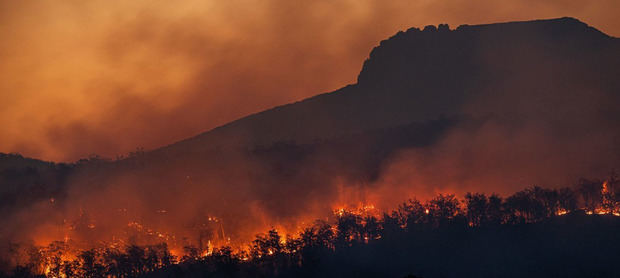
419 51
564 26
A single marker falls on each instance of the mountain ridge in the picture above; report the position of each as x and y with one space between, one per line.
281 123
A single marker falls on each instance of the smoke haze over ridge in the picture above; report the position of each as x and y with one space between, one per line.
105 77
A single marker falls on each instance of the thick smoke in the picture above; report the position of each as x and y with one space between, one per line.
105 77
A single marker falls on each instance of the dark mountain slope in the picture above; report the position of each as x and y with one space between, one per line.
419 75
26 180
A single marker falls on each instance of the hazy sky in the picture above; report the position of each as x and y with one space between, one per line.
105 77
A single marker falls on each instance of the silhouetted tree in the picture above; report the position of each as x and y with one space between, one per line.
567 199
266 245
371 229
495 210
90 264
590 191
412 213
477 207
315 243
443 209
192 254
391 224
349 229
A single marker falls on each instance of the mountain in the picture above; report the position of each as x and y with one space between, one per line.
25 180
419 75
487 108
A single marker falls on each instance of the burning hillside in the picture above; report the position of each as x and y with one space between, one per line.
436 113
140 250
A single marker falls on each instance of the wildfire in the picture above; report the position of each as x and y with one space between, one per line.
53 259
209 250
339 212
360 210
211 231
609 204
605 190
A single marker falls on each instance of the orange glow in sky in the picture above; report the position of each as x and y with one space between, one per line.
105 77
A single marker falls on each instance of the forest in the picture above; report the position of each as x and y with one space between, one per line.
536 232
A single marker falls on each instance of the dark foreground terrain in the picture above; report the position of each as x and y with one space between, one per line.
568 246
